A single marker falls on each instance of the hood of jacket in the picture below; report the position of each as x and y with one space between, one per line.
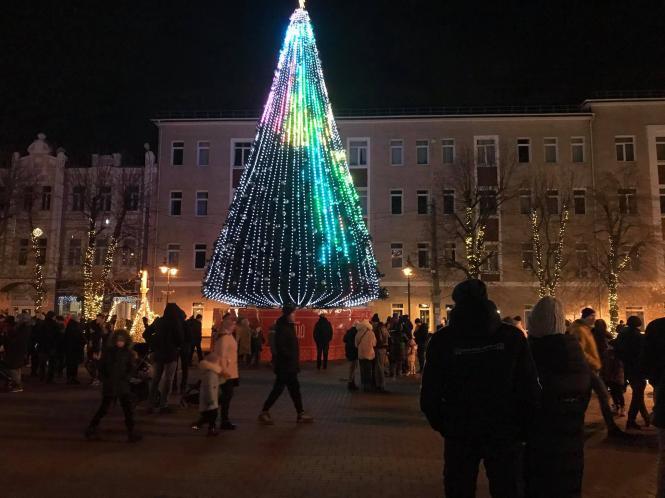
475 317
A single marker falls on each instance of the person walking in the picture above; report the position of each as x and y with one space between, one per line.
351 353
380 350
16 341
323 334
365 341
243 334
196 335
95 340
614 377
116 367
628 347
74 344
286 367
480 392
166 343
653 366
554 459
581 330
421 336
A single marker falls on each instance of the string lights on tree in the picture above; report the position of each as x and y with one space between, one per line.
548 254
38 270
295 231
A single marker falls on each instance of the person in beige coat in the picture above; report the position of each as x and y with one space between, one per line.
365 342
243 334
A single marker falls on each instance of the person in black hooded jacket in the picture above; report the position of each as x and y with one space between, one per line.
479 391
653 365
555 445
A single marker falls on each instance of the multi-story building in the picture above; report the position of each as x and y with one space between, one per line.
402 161
47 193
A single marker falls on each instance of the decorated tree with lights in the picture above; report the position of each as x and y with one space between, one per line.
295 231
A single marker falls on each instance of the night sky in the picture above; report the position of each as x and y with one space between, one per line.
91 73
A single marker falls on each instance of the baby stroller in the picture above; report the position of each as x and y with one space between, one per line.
139 383
191 395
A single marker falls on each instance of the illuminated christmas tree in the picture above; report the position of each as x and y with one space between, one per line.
295 231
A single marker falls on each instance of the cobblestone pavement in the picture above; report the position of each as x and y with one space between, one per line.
361 445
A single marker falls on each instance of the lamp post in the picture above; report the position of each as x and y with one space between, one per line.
169 271
408 273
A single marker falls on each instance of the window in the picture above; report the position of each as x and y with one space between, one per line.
422 152
450 254
396 201
104 199
579 201
423 255
396 254
78 198
74 256
173 254
491 262
241 150
175 206
177 153
448 150
423 201
132 198
488 204
396 152
358 152
448 201
46 198
662 201
28 194
552 201
527 256
627 201
23 245
41 251
486 152
581 260
128 254
200 256
203 153
577 149
202 203
660 149
625 148
551 150
397 308
523 150
101 247
525 201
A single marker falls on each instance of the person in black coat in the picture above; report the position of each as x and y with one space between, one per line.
628 347
351 353
74 342
47 343
16 340
653 365
479 391
323 334
286 365
115 368
421 335
554 463
194 325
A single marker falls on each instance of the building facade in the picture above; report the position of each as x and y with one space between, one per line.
401 163
42 190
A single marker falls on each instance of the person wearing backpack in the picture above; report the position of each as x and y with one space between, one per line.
351 353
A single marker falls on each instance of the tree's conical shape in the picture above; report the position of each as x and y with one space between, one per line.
295 233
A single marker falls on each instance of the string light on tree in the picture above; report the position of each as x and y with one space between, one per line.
548 258
144 310
38 270
295 231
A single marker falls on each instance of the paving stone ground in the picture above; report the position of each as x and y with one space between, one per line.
361 445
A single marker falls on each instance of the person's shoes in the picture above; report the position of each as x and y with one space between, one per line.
16 389
631 424
351 386
166 410
91 433
133 437
303 418
266 419
212 431
227 426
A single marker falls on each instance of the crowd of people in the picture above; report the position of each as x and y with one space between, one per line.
530 391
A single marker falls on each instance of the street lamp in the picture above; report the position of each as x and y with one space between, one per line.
169 271
408 273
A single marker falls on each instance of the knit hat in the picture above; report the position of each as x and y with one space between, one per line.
587 312
472 289
547 318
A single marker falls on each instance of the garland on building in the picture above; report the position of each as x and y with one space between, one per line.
295 231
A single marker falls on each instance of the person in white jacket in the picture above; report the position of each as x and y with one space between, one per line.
365 342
